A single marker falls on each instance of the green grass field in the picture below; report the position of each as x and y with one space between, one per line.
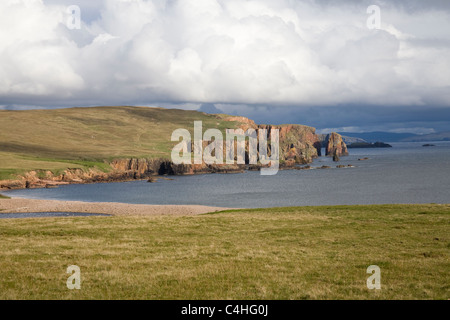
90 137
278 253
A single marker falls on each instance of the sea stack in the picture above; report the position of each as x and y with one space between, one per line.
335 145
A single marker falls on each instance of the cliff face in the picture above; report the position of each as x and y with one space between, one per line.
335 145
298 145
144 168
122 170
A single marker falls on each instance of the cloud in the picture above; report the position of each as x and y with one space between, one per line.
269 52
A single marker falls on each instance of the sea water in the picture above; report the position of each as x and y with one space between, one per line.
405 173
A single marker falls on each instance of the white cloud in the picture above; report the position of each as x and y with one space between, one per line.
234 51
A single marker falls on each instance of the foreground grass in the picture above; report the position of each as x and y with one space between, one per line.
279 253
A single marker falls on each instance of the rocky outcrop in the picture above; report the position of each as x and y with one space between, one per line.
335 146
245 123
144 168
121 170
298 144
348 140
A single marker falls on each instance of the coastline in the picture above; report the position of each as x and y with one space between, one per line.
20 184
23 205
121 171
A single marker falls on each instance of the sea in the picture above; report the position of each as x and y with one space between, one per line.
407 173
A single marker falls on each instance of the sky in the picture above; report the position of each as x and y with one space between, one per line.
319 63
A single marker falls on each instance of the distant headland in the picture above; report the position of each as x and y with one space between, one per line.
369 145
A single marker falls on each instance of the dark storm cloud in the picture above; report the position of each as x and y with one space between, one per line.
356 118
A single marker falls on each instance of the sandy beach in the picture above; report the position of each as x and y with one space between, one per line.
19 205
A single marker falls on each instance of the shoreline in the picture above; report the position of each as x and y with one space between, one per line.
23 205
6 185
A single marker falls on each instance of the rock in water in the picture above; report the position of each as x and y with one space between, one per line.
336 158
336 146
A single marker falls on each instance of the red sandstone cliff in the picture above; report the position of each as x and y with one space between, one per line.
298 144
336 145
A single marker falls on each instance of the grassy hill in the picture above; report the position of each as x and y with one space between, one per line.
90 137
